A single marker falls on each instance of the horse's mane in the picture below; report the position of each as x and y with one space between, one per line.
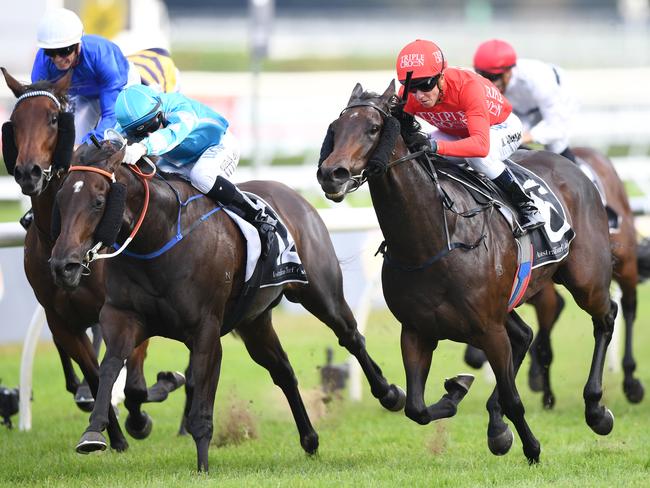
89 153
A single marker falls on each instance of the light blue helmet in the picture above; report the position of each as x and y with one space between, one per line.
135 106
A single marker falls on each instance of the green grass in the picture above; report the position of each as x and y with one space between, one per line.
360 443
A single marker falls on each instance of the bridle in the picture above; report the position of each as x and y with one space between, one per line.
93 253
425 155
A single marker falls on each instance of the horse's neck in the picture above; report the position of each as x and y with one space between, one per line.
409 211
42 206
162 212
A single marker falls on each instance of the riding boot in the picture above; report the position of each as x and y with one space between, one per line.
568 153
27 219
225 193
529 215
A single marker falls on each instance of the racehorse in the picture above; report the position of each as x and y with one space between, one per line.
448 271
549 304
37 145
189 292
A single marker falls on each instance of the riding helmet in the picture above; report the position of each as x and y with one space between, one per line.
495 57
423 58
59 28
136 105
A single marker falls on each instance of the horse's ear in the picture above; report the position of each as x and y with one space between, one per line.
389 92
62 84
14 85
356 93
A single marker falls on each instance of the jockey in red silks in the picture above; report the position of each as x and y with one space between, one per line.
473 121
537 91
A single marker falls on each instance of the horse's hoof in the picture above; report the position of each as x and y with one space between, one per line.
139 432
176 379
474 357
633 390
394 400
310 443
91 442
502 443
548 402
83 397
605 423
462 381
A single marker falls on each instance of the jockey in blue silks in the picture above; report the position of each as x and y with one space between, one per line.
192 141
99 70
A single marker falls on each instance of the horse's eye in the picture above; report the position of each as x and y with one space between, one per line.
55 119
99 202
374 129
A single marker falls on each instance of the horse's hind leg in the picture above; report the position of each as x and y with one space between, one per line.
330 307
627 279
416 355
548 305
505 354
264 347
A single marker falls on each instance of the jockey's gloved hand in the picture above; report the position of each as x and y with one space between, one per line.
434 146
134 152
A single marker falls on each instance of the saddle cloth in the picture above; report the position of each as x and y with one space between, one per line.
283 264
613 219
550 242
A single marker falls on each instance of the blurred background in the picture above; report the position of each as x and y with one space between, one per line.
281 70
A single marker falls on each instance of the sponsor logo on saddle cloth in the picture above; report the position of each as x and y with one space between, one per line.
550 242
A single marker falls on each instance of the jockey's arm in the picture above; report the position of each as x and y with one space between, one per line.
555 112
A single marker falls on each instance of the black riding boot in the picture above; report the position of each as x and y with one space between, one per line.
529 215
568 153
225 193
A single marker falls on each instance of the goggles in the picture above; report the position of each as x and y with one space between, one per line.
492 76
62 52
423 84
145 128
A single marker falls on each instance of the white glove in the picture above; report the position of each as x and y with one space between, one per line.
134 152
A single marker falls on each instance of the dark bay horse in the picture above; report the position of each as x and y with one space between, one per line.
438 292
549 304
188 292
36 133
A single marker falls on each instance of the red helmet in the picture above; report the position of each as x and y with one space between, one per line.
423 58
494 56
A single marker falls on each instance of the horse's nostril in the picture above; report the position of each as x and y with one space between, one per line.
340 174
36 171
70 268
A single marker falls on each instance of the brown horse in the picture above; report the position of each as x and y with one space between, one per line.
549 304
188 292
37 142
437 291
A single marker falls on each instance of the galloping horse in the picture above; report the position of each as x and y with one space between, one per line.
188 292
37 143
549 304
437 290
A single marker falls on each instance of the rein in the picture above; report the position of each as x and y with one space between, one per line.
92 254
446 201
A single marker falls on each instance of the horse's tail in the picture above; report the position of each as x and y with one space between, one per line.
643 259
156 67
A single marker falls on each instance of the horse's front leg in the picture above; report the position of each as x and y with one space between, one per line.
416 355
122 331
499 346
205 359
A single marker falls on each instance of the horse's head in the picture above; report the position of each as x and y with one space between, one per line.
358 142
90 206
39 134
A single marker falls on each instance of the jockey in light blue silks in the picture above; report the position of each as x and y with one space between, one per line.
99 70
193 141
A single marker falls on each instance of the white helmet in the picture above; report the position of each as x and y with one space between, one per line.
58 28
